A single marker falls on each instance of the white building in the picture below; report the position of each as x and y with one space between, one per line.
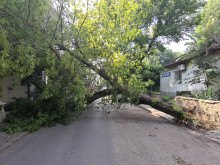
179 71
10 92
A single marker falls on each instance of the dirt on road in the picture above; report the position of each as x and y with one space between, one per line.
139 138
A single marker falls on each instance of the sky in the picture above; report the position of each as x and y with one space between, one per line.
178 47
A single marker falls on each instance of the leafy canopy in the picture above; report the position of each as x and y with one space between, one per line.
74 41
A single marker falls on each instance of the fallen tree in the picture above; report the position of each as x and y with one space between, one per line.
144 98
74 43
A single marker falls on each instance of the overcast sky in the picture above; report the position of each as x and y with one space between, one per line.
178 47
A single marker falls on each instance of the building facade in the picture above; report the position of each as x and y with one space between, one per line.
10 92
180 71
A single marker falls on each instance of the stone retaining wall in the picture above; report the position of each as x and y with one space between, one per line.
204 110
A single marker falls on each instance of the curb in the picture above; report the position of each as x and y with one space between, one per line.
8 144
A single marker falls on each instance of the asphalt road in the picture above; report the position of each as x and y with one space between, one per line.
85 142
128 136
139 138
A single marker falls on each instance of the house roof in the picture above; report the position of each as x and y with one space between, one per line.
183 59
180 60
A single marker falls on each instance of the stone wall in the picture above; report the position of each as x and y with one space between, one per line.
204 110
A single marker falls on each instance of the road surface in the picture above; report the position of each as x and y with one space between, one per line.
85 142
129 136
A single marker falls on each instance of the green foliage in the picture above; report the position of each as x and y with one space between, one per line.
205 39
30 116
207 71
168 18
184 115
207 33
151 76
152 68
118 33
162 57
106 38
166 98
208 95
155 101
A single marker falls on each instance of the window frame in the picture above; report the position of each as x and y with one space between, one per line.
178 76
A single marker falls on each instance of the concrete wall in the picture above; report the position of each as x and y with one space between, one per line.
170 87
10 92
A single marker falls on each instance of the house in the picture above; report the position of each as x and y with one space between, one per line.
178 73
10 92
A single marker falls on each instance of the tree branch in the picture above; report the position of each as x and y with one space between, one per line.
100 94
85 16
29 9
60 59
83 60
16 15
149 48
61 11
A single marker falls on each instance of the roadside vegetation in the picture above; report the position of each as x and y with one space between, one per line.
206 95
29 116
205 38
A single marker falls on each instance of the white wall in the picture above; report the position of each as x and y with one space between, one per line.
9 91
169 86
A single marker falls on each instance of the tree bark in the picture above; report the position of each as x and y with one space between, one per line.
99 94
160 105
144 99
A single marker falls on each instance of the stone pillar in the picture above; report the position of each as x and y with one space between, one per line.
2 112
2 108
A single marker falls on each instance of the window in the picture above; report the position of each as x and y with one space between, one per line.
178 77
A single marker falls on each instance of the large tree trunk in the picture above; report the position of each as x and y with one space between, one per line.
160 105
98 95
144 99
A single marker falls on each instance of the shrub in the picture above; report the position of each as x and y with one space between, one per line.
166 98
209 95
31 115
